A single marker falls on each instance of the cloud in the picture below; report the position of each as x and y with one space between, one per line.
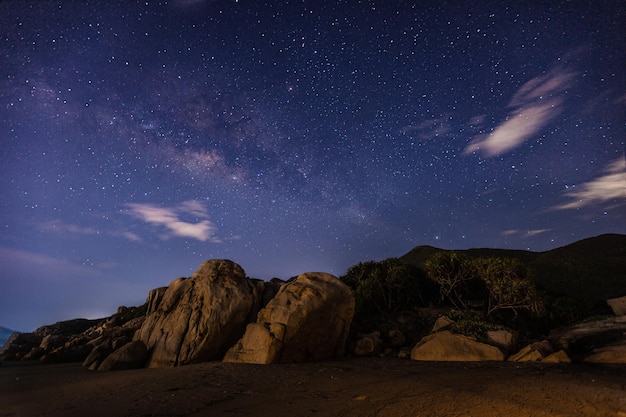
533 106
59 226
170 218
58 267
529 233
610 187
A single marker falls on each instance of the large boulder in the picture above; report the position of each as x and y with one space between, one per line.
308 320
200 317
447 346
580 339
132 355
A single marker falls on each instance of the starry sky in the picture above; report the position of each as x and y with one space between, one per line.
141 138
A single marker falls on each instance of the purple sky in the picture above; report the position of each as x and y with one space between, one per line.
139 139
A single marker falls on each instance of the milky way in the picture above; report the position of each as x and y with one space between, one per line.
139 139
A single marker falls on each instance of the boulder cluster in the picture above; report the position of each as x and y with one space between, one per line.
220 314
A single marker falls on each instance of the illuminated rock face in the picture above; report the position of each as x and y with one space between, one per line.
618 305
446 346
199 318
308 320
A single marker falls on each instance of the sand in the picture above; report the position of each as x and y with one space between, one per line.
346 387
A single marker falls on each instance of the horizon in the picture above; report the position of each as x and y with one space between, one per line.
2 325
141 139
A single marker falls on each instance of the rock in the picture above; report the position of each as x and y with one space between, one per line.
132 355
368 344
618 305
19 345
404 353
608 354
97 355
442 323
308 320
396 338
52 341
534 352
503 339
580 339
557 357
154 299
446 346
75 353
200 317
34 355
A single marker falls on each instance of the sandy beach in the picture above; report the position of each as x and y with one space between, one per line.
347 387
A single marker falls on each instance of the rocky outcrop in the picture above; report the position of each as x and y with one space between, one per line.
200 317
109 340
73 340
580 339
307 320
447 346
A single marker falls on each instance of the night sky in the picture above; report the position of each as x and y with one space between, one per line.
139 139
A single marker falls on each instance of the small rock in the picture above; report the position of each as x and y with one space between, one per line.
534 352
557 357
442 323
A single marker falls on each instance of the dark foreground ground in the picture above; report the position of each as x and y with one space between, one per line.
348 387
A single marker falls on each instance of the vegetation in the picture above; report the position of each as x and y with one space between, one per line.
385 287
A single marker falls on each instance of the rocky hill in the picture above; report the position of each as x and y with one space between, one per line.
591 270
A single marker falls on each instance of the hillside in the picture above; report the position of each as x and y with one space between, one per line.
590 270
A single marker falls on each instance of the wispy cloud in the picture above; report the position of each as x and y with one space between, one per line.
61 227
170 219
61 267
608 188
527 233
534 105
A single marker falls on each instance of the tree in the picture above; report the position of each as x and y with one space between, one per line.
384 287
508 284
452 272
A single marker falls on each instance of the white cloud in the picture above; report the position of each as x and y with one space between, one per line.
170 218
610 187
533 106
